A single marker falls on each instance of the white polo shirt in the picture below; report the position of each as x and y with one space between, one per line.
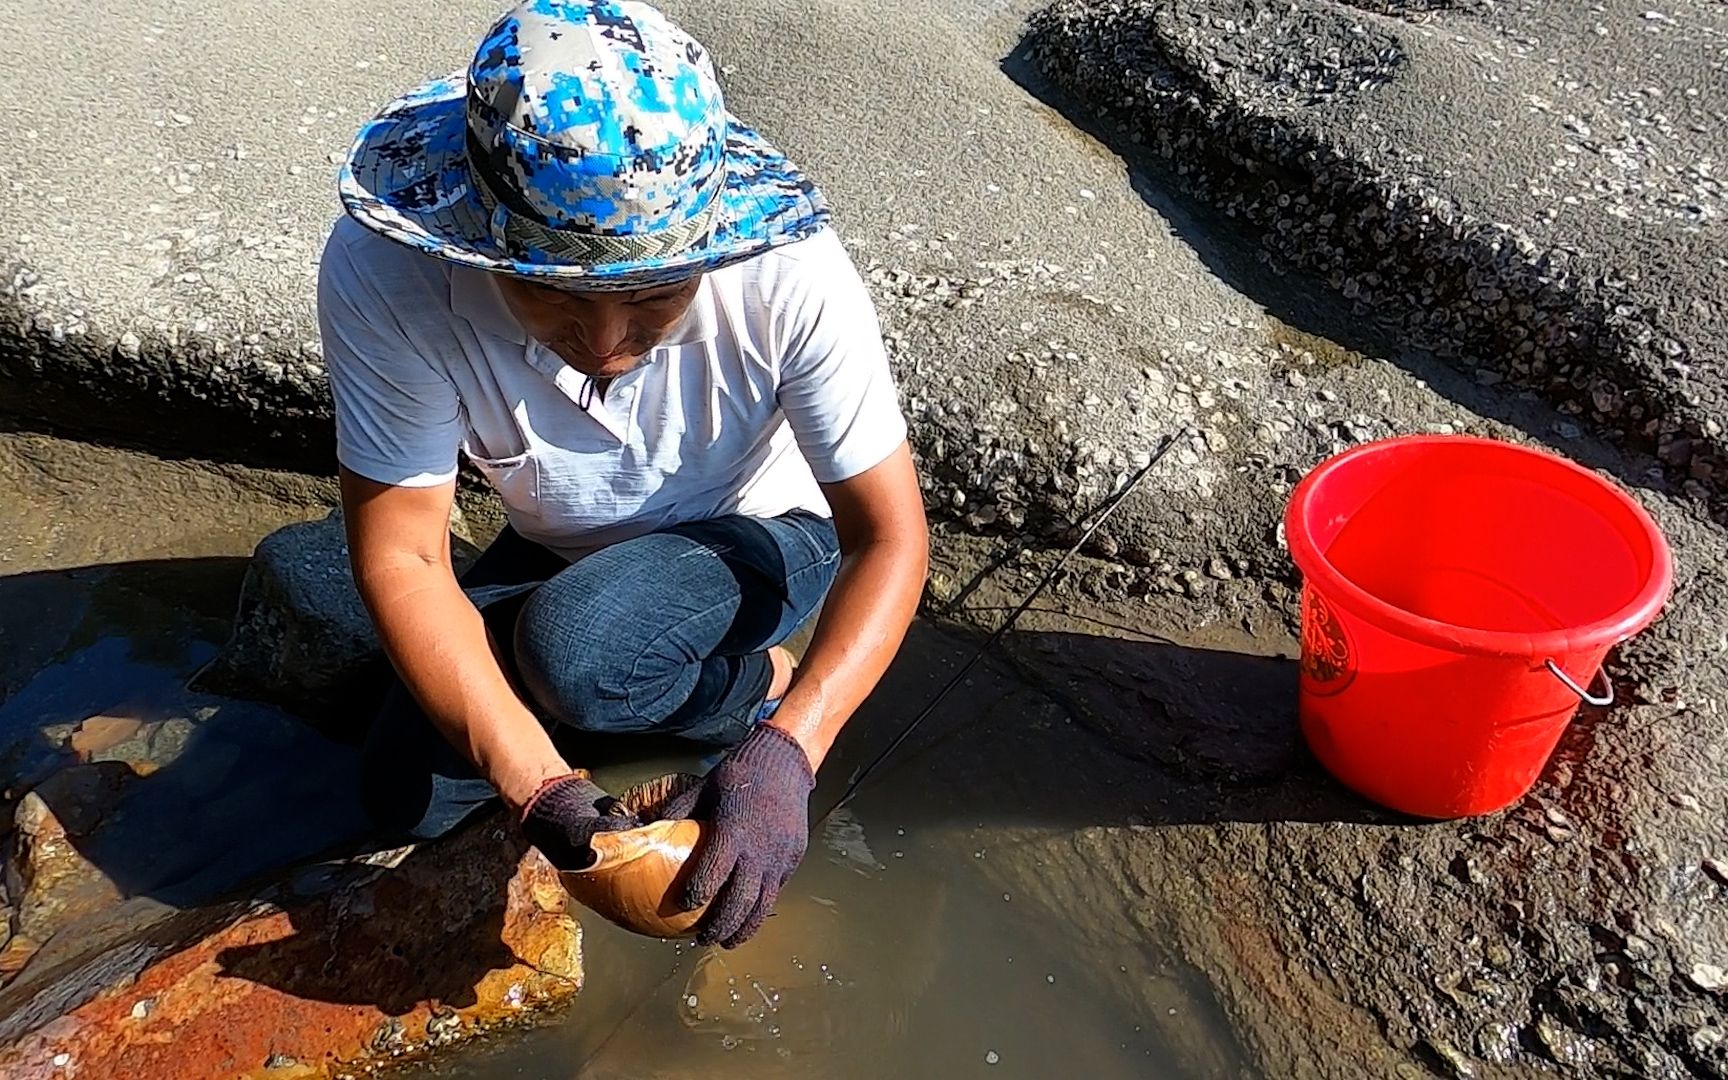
776 379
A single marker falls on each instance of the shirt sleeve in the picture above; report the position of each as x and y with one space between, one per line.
836 387
398 419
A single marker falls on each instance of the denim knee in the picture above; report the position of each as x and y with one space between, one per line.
573 677
666 632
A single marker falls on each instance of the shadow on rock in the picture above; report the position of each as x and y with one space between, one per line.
428 929
119 781
251 791
1117 732
151 927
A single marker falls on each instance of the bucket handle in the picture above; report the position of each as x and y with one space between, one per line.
1601 701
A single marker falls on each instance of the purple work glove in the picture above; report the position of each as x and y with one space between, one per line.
563 816
758 801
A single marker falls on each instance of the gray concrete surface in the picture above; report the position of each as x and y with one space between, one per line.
1046 328
1528 186
190 215
166 200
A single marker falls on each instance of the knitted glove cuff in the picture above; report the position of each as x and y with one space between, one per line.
559 793
772 752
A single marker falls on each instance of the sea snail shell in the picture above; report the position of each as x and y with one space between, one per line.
638 875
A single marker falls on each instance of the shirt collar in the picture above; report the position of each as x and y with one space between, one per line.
474 296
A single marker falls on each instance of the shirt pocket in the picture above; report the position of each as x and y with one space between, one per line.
516 478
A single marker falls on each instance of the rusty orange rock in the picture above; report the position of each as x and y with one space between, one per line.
463 935
18 951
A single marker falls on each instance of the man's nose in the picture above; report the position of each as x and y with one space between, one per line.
603 329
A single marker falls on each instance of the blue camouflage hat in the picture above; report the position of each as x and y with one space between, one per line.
587 143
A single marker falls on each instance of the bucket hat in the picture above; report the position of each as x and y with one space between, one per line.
586 144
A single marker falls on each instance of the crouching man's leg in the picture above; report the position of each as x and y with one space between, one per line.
670 632
667 633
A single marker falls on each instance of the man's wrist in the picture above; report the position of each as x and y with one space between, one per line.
518 785
805 732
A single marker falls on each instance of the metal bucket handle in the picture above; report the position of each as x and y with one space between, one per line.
1601 701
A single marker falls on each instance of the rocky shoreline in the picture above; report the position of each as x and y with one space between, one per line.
1278 115
338 972
247 394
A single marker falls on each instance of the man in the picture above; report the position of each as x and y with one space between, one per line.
574 267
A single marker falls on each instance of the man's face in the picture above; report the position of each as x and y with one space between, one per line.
600 334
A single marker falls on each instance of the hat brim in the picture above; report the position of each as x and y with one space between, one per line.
407 178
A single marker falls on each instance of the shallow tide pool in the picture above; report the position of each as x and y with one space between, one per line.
879 962
895 950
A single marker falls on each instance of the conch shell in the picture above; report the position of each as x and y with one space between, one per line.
638 875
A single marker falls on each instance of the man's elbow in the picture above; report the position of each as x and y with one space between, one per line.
385 578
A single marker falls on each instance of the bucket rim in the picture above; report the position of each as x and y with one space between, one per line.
1633 617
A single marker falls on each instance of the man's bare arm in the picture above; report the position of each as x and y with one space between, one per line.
885 548
399 546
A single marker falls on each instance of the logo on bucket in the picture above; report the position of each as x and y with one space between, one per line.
1328 664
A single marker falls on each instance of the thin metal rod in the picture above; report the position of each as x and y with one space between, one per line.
1103 512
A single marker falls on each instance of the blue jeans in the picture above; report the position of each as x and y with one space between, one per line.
666 634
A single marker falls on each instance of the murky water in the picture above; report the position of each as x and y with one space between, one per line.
880 961
893 952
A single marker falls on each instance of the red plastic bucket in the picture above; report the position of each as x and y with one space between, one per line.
1459 596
